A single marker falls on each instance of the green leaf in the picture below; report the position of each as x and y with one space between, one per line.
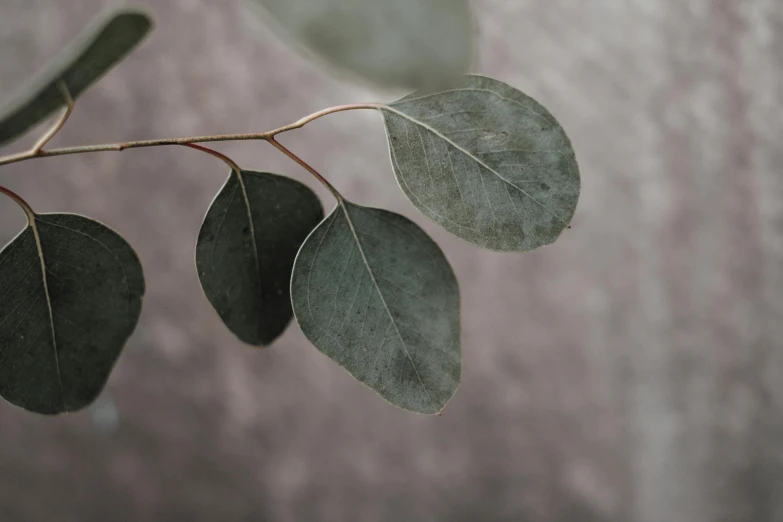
99 48
373 292
401 43
246 250
486 162
70 297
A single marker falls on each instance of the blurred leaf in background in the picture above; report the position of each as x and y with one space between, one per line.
411 44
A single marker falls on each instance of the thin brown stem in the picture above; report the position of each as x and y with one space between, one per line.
39 145
307 167
228 161
23 156
19 201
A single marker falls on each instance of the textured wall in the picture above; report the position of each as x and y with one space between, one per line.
630 372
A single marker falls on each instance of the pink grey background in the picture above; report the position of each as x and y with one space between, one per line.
632 371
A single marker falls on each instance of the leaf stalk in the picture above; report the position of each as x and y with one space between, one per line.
51 133
272 141
28 210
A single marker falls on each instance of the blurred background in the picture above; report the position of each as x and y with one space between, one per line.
632 371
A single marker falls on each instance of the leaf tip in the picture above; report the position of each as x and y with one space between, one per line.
139 16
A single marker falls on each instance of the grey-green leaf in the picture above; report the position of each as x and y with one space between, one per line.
99 48
372 291
402 43
246 250
70 297
486 162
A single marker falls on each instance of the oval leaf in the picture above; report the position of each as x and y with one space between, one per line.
246 250
486 162
401 43
372 291
99 48
70 297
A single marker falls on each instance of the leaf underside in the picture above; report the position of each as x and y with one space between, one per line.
246 249
486 162
373 292
402 43
66 311
99 48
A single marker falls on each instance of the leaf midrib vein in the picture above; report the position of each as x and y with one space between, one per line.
45 279
412 194
383 301
471 156
252 227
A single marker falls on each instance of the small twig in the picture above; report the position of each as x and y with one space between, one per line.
21 202
37 149
228 161
23 156
307 167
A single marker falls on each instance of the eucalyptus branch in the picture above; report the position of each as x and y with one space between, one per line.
368 287
107 147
